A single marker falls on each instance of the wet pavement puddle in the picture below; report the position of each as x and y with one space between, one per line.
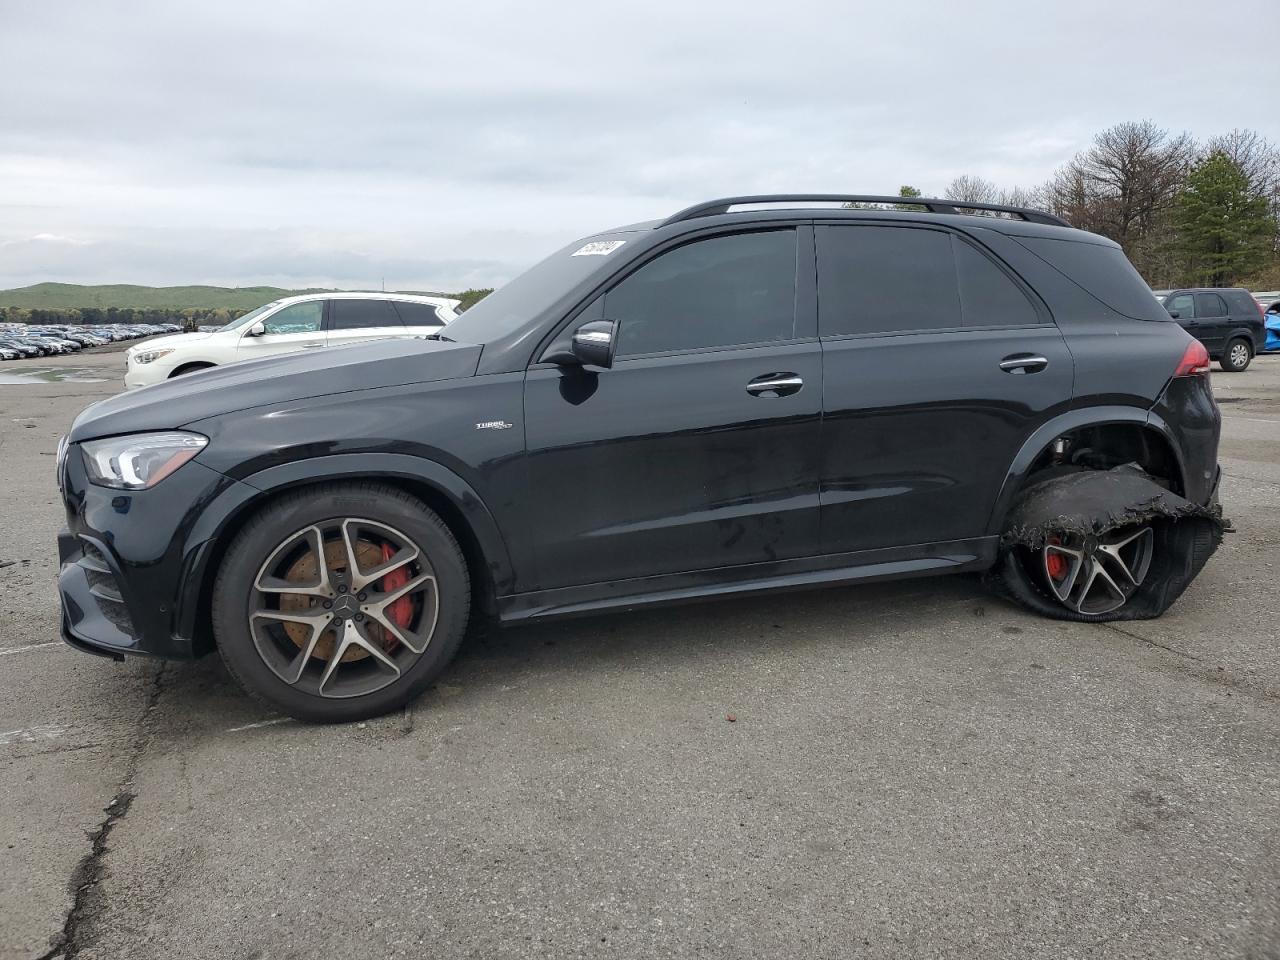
52 375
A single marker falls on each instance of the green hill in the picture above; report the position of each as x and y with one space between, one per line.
61 296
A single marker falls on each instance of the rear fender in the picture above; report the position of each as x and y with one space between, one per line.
1040 440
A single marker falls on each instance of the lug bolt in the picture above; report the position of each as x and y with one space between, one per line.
328 604
361 597
359 617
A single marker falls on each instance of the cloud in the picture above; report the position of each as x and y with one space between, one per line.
452 145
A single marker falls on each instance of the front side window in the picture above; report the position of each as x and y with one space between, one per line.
1182 306
720 292
297 318
362 314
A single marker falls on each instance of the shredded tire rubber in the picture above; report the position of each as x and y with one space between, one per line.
1094 503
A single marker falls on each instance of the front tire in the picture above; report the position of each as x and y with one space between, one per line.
1237 356
341 602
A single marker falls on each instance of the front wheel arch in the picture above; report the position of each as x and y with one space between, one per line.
190 367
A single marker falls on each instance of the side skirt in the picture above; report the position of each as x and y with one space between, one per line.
892 563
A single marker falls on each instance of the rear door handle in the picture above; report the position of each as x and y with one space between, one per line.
775 385
1023 363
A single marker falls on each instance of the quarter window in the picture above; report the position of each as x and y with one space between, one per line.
417 314
296 318
719 292
988 296
362 314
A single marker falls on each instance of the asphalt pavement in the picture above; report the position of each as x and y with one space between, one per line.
907 770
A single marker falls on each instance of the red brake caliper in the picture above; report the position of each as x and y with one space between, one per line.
1054 562
401 611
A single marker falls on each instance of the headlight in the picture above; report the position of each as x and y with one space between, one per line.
148 356
141 460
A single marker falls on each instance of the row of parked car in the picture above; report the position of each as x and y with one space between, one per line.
19 340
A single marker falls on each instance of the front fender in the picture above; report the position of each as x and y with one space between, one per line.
219 519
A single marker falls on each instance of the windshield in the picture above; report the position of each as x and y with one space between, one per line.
528 295
250 316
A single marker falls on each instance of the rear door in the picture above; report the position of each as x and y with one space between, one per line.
698 449
938 363
1212 322
354 320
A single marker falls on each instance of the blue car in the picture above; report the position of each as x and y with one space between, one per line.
1271 319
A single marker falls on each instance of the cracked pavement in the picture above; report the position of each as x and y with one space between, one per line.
914 770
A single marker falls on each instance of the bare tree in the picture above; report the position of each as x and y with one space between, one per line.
1256 156
972 189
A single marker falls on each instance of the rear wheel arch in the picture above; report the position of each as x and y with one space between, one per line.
1116 435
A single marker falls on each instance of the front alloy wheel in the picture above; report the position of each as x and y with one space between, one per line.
343 608
1094 575
341 602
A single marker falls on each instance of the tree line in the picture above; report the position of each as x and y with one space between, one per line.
1186 213
188 317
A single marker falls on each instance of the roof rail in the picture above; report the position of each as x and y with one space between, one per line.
713 207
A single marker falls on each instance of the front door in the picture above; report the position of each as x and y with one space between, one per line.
698 449
937 366
298 326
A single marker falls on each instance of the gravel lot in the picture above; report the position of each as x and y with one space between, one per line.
913 770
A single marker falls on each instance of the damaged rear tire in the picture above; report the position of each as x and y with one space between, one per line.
1104 545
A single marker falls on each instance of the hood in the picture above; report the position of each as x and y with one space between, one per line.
293 376
172 340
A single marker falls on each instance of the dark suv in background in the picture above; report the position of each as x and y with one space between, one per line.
736 398
1227 320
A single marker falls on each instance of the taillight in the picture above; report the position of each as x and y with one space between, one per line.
1195 362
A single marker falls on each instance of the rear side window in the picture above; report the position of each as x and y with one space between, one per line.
988 296
874 279
361 314
1241 302
1103 271
719 292
1210 305
417 314
885 279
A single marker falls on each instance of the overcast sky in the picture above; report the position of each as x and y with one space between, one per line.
449 145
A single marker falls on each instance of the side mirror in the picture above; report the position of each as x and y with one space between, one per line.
257 330
1175 314
593 344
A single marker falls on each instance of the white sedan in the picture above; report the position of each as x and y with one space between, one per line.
294 323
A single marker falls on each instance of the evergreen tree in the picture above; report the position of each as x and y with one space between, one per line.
1223 229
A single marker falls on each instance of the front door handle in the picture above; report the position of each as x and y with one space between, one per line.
775 385
1023 363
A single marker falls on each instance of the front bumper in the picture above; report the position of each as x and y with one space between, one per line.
131 563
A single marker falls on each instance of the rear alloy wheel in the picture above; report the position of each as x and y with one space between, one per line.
341 602
1236 357
1094 575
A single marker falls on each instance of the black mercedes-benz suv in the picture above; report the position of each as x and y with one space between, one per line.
755 393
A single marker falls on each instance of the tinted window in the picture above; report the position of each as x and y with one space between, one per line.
1183 305
298 318
885 279
1210 305
987 294
711 293
361 314
1101 269
417 314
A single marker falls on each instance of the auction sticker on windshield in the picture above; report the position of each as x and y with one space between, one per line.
598 248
